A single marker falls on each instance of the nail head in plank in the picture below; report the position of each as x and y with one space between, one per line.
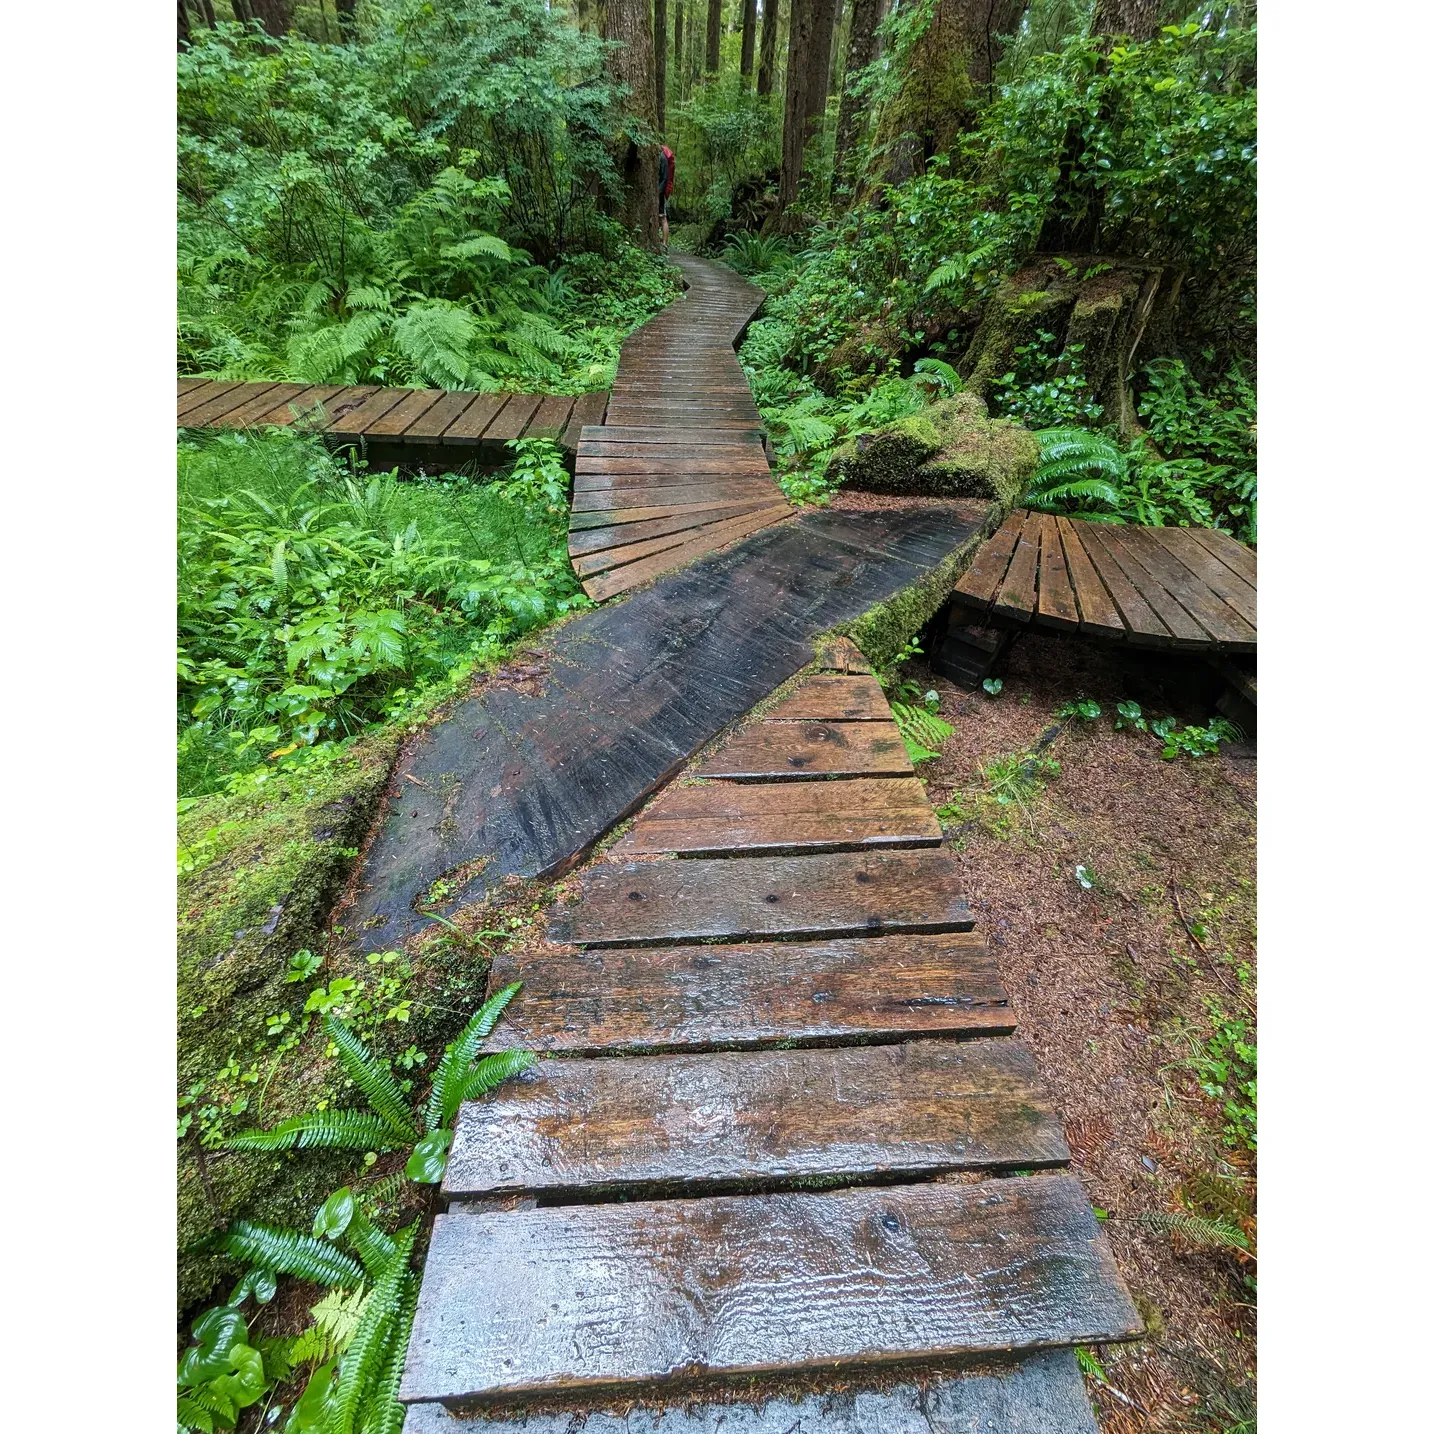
846 893
628 1296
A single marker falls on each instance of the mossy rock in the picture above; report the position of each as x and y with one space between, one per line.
951 449
273 862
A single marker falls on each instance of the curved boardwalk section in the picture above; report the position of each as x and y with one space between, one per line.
793 1137
679 467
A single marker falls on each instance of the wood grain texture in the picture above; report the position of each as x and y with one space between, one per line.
1140 622
982 580
354 421
1016 597
1236 556
469 426
513 418
404 413
667 433
834 698
592 540
773 750
1099 616
714 531
751 996
762 818
226 401
1233 590
620 1297
1225 627
550 418
698 1123
431 426
251 414
1056 600
843 894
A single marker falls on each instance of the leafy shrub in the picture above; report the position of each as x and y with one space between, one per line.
1039 396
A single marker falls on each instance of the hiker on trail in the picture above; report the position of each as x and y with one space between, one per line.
666 176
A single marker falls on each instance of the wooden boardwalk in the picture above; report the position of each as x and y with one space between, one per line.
791 1134
393 418
678 468
1191 589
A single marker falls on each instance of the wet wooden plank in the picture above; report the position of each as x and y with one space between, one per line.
621 491
1235 555
346 401
198 397
404 414
982 580
841 654
843 894
606 585
467 429
834 698
1184 629
188 385
593 540
615 556
1223 624
751 996
513 419
782 750
666 433
700 1123
582 521
1099 615
588 408
1016 597
236 396
250 414
1226 584
1141 623
435 421
751 462
626 1296
301 406
354 422
1056 601
551 417
763 818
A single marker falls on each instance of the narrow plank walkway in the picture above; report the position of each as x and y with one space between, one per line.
521 779
863 1185
1191 589
678 467
474 424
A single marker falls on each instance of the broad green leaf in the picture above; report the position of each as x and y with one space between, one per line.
334 1214
430 1158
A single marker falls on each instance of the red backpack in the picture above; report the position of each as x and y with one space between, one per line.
669 164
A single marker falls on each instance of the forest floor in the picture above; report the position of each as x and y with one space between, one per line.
1111 988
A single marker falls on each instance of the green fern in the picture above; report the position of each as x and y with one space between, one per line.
493 1071
923 732
1078 469
384 1414
287 1252
373 1078
446 1095
937 374
321 1129
1199 1230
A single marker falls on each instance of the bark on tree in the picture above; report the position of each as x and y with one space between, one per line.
860 52
749 40
629 25
714 36
274 15
678 87
808 59
659 56
348 17
819 85
694 47
767 65
1139 19
206 9
183 25
987 23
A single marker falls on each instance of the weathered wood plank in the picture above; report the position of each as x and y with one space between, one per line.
747 997
748 463
450 407
625 1296
188 385
1141 623
355 421
617 556
1185 629
666 433
235 396
514 417
593 540
467 429
551 417
982 580
345 402
397 420
1223 581
834 698
666 449
841 654
1016 597
843 894
251 414
596 500
1235 555
198 397
1224 625
772 750
588 409
1099 615
1055 599
298 408
611 517
699 1123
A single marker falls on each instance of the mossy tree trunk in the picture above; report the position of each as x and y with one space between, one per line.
629 25
862 49
749 40
767 66
659 57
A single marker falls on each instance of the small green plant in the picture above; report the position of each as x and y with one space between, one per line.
992 686
1080 474
921 730
1226 1069
1128 714
1193 742
302 965
1036 391
1083 707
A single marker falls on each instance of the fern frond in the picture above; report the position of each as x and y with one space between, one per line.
367 1359
1197 1230
321 1129
287 1252
1096 488
488 245
1063 442
384 1414
921 727
494 1070
374 1247
1110 466
444 1098
373 1078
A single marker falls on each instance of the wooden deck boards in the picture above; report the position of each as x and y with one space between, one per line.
399 416
1184 588
681 433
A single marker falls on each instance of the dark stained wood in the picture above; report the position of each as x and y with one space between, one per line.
664 434
810 749
296 409
403 414
842 894
588 408
345 402
514 418
836 698
1184 629
1141 623
625 1296
597 500
215 408
798 993
982 580
1056 601
593 540
1236 593
1016 598
188 385
606 585
1236 556
551 418
753 461
436 420
251 414
713 531
666 451
762 818
724 1120
468 428
198 397
355 421
1099 615
605 518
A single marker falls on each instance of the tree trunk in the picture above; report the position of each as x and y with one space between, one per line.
714 36
1137 19
183 25
659 56
768 64
677 72
749 40
274 15
819 82
629 26
694 47
860 52
795 115
348 18
988 23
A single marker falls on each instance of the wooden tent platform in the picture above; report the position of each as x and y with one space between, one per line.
679 467
790 1134
394 420
1190 589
